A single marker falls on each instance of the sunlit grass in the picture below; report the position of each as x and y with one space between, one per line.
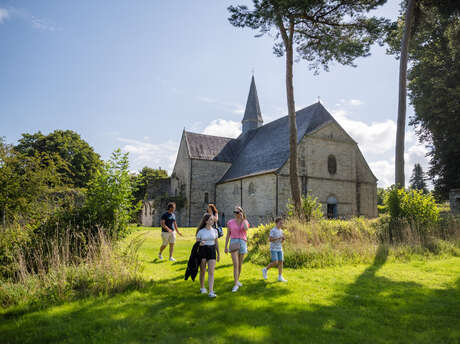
415 302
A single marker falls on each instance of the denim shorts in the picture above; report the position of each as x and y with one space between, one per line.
277 256
243 245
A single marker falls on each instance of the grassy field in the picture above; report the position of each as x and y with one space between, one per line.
416 302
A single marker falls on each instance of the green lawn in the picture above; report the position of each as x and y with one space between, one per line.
416 302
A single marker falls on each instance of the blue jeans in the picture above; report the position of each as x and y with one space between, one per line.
243 245
277 256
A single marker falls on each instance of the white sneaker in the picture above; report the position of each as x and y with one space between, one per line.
212 294
171 259
239 284
203 291
281 279
235 288
160 257
264 273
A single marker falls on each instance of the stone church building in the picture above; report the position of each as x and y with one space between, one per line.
252 170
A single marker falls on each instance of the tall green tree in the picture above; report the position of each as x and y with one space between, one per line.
77 160
400 179
24 183
320 32
434 53
418 179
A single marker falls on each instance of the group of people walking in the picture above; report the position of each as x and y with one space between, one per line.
206 252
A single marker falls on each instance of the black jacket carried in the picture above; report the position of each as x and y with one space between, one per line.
193 262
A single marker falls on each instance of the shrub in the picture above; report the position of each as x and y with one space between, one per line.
414 208
13 240
109 199
311 208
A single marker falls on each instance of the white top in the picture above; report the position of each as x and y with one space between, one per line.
276 233
207 236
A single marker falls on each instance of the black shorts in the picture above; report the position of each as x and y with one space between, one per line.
207 252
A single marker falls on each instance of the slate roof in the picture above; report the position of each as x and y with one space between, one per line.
268 147
252 110
207 147
261 150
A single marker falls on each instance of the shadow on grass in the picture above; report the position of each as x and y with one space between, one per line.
373 309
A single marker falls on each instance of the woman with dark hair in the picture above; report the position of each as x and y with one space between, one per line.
237 235
212 210
208 252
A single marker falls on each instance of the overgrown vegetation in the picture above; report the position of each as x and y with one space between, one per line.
412 227
58 274
58 242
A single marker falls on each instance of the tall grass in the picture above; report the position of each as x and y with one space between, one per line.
53 272
324 242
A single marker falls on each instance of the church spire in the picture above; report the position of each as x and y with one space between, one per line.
252 116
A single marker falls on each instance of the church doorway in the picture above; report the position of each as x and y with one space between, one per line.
331 208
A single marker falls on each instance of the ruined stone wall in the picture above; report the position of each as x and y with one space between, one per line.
205 175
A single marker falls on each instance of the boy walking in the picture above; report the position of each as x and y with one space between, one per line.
168 231
276 250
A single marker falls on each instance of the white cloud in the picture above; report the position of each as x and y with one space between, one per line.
148 154
42 24
3 15
377 142
377 137
355 102
22 14
222 127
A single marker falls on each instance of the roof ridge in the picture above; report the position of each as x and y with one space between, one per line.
224 137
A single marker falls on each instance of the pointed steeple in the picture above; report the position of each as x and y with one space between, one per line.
252 116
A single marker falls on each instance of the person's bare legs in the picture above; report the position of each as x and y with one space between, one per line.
162 247
171 250
236 268
280 268
202 272
240 264
272 264
211 267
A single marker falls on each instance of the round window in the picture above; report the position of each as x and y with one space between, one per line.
331 164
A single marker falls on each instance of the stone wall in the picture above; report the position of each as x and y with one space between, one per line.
259 198
205 175
367 187
228 196
180 181
256 194
316 178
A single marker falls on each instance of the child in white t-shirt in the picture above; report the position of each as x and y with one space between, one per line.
276 250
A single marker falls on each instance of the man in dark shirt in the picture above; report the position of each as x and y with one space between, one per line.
168 231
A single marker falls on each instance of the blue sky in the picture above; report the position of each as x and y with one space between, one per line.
134 74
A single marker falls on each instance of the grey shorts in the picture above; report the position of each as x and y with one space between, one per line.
243 245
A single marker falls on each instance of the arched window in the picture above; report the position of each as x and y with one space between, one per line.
236 190
331 164
206 197
251 189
